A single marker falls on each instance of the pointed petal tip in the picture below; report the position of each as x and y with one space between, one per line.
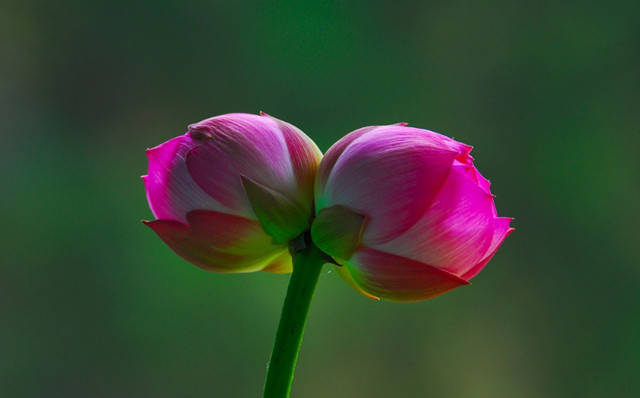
403 124
465 154
154 151
505 221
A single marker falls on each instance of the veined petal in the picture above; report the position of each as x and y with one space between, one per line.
502 229
231 234
485 184
177 236
391 175
457 229
398 278
331 157
171 192
239 144
219 242
482 182
305 157
462 149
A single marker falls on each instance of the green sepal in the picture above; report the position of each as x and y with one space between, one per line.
337 230
280 217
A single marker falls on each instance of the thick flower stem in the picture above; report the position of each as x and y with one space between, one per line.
307 264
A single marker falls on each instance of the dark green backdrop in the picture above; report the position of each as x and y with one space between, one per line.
92 304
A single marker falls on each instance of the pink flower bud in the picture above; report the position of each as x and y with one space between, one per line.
405 212
233 191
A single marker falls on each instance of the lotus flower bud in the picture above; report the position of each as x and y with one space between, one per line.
405 213
231 193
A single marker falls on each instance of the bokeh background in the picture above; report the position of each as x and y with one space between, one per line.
92 304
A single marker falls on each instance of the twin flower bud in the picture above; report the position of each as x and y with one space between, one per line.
402 211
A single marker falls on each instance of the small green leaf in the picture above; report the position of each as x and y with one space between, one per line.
279 216
337 230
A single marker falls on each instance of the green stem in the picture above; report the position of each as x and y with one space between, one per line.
306 268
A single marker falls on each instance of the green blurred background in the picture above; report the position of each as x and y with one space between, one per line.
92 304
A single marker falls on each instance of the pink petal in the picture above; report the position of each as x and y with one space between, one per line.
178 237
398 278
171 192
230 233
331 157
391 174
486 186
475 175
502 229
463 150
482 182
305 157
456 231
239 144
218 242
